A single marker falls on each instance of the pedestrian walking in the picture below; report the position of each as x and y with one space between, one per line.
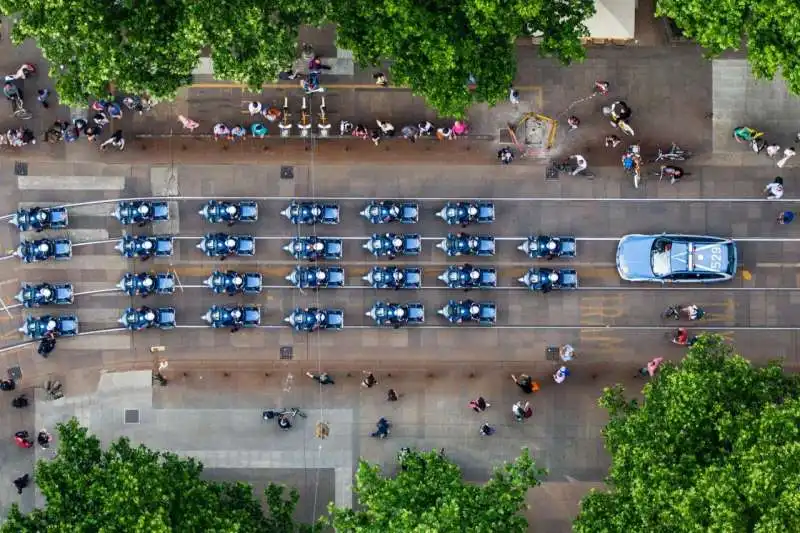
410 133
114 111
513 96
100 118
368 381
444 134
612 141
345 127
238 132
258 130
323 378
254 108
41 96
601 87
375 136
44 438
479 404
561 374
19 402
221 131
566 353
460 128
383 429
425 128
22 482
774 190
391 395
380 79
486 429
785 217
387 129
522 410
772 150
525 383
316 65
573 122
187 123
505 155
787 154
651 368
92 132
115 140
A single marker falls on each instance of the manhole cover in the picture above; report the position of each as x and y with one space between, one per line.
131 416
551 353
287 352
551 174
20 168
287 173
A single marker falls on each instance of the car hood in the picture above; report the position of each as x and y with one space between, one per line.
633 257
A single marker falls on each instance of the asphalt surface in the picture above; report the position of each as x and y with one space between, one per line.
606 317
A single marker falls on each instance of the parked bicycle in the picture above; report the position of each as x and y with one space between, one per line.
283 416
571 165
675 153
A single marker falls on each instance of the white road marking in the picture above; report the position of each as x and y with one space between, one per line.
71 183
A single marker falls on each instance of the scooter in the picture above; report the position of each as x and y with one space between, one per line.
687 339
284 125
22 440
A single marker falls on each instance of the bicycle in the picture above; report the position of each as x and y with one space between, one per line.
323 124
19 110
675 153
677 312
284 125
291 412
305 119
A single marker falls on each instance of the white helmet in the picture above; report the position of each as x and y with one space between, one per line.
472 210
553 277
474 274
551 244
397 242
147 244
230 242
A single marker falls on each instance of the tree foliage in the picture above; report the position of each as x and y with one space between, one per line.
713 447
428 494
767 28
251 42
151 46
146 46
139 490
434 47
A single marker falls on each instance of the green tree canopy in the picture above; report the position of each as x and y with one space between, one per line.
139 490
152 46
713 447
434 47
429 495
767 28
147 46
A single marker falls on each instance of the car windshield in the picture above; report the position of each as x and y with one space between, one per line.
660 257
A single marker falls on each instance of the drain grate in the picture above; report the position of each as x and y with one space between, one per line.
551 353
131 416
20 168
287 353
287 173
551 174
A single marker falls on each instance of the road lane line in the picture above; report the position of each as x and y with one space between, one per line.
71 183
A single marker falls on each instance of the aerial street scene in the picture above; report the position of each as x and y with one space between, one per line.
392 266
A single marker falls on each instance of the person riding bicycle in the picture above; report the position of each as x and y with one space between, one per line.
283 422
620 111
681 336
505 155
673 172
580 164
11 91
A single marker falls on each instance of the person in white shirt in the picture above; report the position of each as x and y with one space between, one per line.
567 352
580 164
774 190
561 374
254 108
387 128
787 154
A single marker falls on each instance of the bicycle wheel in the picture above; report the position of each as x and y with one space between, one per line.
22 114
588 174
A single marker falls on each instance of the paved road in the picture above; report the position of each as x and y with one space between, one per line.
612 320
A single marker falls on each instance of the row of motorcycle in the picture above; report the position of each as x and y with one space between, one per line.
311 248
